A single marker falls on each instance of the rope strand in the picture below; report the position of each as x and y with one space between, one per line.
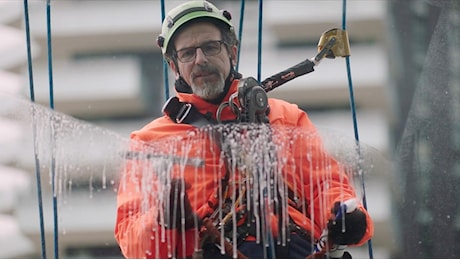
240 32
34 131
270 252
165 64
355 123
259 43
52 133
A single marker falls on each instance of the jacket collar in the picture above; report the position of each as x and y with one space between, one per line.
210 109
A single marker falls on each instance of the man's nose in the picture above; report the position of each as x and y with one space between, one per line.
200 57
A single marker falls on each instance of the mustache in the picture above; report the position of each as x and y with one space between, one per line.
204 69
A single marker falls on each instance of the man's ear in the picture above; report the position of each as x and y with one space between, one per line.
174 69
234 55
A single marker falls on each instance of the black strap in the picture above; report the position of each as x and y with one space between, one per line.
185 113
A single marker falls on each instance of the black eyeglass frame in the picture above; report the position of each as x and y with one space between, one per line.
203 49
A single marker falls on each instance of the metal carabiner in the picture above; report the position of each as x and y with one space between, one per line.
233 107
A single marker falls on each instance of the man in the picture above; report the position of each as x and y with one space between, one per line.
270 195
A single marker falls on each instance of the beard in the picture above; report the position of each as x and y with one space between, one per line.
208 89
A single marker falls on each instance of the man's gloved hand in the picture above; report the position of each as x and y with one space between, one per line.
178 208
354 221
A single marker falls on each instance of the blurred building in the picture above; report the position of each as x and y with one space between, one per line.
107 70
425 41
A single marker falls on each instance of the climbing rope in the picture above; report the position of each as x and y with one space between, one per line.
270 250
259 43
240 32
34 130
34 127
355 123
52 133
165 63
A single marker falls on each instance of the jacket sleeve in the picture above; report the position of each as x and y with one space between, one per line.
318 177
324 179
136 230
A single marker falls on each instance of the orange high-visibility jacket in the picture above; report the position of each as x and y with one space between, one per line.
137 230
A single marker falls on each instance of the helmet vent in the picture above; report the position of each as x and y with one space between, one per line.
227 15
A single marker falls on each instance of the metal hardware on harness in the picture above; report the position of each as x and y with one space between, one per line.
171 108
232 105
183 112
254 101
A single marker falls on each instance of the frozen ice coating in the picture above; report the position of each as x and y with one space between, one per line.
251 175
78 152
250 172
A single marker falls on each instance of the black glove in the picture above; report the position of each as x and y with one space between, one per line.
355 226
174 215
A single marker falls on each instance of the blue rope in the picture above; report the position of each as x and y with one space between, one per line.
34 127
259 43
50 66
353 111
165 64
29 51
240 32
270 242
53 159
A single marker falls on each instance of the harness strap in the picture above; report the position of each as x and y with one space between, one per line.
185 113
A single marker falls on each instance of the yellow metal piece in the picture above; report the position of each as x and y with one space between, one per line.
341 47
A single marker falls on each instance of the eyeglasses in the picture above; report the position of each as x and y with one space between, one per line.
210 48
